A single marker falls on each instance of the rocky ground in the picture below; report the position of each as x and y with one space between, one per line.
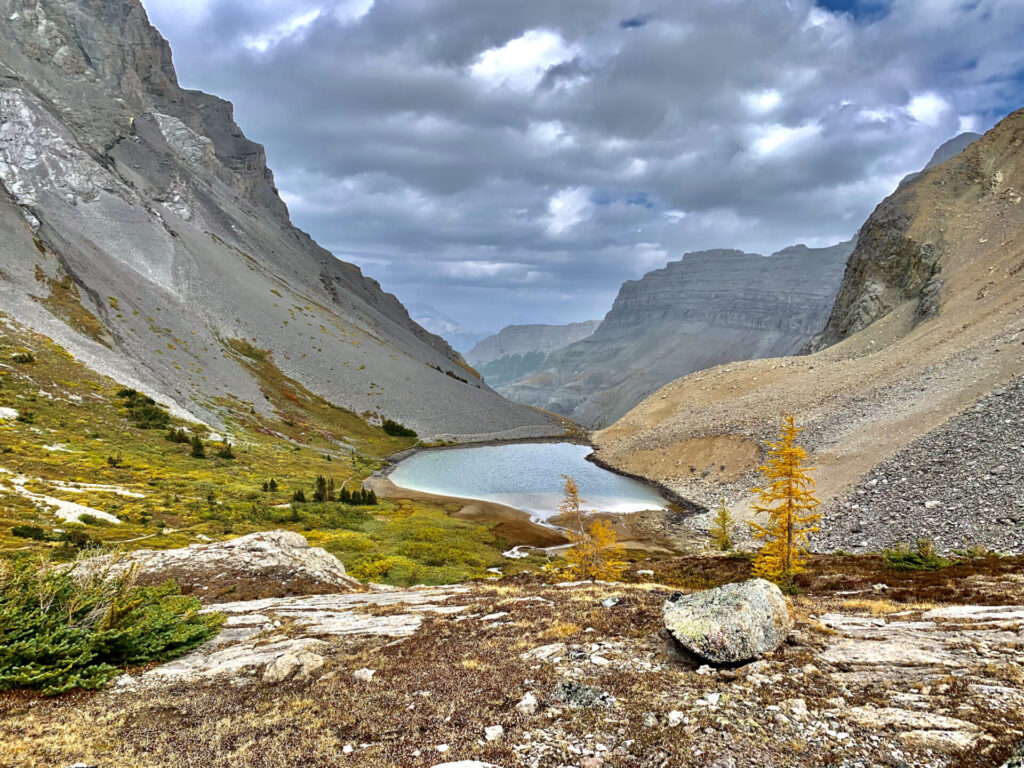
882 669
959 485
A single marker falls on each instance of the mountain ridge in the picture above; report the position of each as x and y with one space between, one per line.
707 308
140 210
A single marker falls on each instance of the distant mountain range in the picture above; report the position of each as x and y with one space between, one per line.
710 307
449 329
519 350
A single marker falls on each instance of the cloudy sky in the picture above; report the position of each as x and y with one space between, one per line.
516 160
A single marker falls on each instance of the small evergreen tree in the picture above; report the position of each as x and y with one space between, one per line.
272 485
299 497
371 497
320 490
225 451
721 527
345 497
198 450
789 502
330 489
266 486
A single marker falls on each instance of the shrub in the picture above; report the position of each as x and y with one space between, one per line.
198 451
116 461
922 558
23 357
60 631
299 497
87 519
225 452
29 532
395 429
27 417
143 412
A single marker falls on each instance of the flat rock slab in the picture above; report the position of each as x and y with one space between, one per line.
253 646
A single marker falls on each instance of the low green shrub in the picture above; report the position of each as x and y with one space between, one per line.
60 631
395 429
33 532
922 558
143 411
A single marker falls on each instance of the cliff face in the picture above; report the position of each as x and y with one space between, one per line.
888 266
519 350
709 308
143 230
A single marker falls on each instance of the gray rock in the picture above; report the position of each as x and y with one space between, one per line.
729 624
253 557
580 696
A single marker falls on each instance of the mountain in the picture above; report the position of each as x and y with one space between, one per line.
518 350
924 339
440 324
946 151
710 307
142 230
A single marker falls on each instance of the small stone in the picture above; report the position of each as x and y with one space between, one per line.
712 699
348 749
599 661
676 718
364 675
528 704
610 602
494 733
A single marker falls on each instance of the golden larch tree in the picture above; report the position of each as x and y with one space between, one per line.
721 527
595 552
788 500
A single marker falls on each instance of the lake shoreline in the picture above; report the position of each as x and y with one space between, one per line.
684 506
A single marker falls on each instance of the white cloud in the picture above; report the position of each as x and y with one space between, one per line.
779 139
927 108
968 124
522 62
567 208
760 102
269 38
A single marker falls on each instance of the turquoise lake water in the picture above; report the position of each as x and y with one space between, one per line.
526 476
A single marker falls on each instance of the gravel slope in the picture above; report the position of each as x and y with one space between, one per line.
959 485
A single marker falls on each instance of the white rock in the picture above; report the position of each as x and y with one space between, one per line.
494 732
528 704
8 413
676 718
712 699
364 675
296 664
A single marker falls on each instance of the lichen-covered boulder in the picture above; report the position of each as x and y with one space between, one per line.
729 624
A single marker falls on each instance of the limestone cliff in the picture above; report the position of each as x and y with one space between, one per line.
711 307
143 230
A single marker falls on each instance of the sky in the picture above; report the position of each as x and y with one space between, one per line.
511 162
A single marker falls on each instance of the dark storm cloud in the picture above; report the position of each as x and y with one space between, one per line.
511 162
